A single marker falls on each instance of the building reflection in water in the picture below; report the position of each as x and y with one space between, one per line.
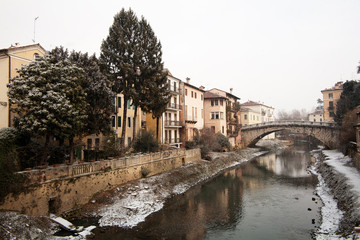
218 204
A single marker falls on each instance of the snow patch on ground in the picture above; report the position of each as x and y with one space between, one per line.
330 213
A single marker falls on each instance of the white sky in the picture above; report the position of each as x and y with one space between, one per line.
279 52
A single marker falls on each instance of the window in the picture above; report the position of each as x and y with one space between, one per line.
113 121
245 117
129 122
331 105
331 96
195 94
175 87
215 115
216 102
119 102
185 91
119 121
128 104
113 103
192 94
89 143
213 129
202 97
222 129
331 114
221 115
97 143
36 56
221 102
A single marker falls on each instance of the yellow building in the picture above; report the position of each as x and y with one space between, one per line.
11 59
330 98
249 116
220 114
96 141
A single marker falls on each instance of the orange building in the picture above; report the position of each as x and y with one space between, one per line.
330 98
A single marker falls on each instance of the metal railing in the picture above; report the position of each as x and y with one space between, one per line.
174 106
169 123
173 140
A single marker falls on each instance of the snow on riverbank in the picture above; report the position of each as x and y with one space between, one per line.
135 201
331 214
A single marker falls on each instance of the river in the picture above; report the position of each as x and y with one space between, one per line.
270 197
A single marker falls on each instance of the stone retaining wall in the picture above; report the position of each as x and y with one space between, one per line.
59 189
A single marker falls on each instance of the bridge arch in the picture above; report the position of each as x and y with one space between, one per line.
327 133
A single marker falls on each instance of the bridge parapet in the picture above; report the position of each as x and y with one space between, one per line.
291 123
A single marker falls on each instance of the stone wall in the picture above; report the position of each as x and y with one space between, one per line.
60 189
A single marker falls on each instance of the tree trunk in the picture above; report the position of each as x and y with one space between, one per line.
123 130
43 159
71 146
134 125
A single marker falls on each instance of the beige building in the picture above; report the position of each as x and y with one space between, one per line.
193 110
169 123
258 113
222 114
317 116
11 59
330 98
249 116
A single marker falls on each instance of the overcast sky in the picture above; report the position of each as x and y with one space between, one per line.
279 52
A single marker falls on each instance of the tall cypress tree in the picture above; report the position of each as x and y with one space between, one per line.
132 48
119 58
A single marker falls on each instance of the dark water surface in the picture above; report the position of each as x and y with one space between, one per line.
271 197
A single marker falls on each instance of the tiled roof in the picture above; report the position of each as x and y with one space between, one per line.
252 103
212 95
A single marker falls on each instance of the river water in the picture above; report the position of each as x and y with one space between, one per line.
270 197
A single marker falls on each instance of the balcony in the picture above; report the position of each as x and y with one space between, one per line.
169 123
175 90
172 140
190 119
174 106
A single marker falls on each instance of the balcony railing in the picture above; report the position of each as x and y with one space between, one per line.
174 89
174 106
169 123
172 140
191 119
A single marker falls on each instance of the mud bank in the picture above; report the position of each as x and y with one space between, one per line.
342 189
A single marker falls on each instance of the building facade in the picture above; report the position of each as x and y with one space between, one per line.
330 97
11 59
249 116
258 111
193 110
317 116
222 114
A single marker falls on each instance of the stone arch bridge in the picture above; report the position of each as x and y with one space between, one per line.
327 133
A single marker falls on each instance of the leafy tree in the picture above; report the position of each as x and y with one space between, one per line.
49 100
349 99
146 143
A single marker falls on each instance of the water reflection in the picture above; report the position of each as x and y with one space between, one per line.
242 203
289 163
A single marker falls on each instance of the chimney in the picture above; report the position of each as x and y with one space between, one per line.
202 87
188 80
231 90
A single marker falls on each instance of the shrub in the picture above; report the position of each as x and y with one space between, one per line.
10 181
146 143
145 171
223 142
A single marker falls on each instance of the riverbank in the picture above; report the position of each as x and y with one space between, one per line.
339 191
128 204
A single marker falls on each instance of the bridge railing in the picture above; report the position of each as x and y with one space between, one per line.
291 123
